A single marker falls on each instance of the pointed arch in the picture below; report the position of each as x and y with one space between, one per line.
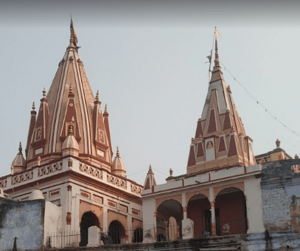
198 210
88 219
231 211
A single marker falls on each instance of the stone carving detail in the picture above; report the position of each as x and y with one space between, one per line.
49 169
3 183
148 236
296 168
226 228
91 171
116 181
21 177
187 229
136 189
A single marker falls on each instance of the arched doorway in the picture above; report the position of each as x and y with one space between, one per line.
138 235
231 212
88 219
168 218
116 232
198 210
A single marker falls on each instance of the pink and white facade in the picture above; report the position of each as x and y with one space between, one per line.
220 192
69 155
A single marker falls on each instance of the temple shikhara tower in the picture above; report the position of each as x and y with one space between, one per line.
68 160
220 138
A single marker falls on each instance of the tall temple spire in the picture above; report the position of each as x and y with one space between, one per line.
70 100
220 139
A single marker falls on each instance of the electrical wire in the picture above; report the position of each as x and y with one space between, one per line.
259 103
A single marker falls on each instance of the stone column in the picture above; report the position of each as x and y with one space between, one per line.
184 206
69 212
246 204
129 229
213 219
155 226
105 226
184 213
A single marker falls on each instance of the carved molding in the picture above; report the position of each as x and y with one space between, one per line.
3 183
116 181
91 171
19 178
136 189
45 170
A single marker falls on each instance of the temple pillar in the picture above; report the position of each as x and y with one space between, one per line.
213 219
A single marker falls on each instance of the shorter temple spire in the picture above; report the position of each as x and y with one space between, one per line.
118 152
20 148
97 96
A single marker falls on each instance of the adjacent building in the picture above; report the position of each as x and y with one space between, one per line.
226 190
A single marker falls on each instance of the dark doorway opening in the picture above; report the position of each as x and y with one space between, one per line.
116 232
207 220
138 235
231 216
88 219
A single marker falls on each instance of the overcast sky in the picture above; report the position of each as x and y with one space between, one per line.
148 61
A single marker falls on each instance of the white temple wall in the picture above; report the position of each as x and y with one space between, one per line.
149 221
254 204
53 222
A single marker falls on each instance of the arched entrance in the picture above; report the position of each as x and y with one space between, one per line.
198 210
116 232
168 220
138 235
88 219
231 212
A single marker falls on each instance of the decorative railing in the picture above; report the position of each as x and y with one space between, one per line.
45 170
91 171
19 178
116 181
136 189
3 183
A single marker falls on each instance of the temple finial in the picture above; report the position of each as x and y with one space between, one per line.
73 36
277 143
33 106
97 96
44 93
118 152
20 147
217 60
150 170
105 109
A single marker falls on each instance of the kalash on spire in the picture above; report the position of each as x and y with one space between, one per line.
220 140
69 103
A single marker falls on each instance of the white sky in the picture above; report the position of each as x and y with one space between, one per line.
147 59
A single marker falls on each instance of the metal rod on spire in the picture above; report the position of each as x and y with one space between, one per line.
210 56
